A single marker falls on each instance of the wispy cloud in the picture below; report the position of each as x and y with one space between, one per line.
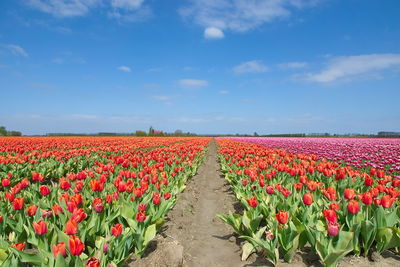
349 67
292 65
15 50
240 15
64 8
253 66
124 68
192 83
223 92
126 10
213 33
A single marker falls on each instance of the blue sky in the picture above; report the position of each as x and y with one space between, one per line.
205 66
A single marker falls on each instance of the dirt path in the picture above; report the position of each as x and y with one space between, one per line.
206 240
193 235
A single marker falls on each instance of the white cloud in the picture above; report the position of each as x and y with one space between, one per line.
224 92
16 50
192 83
124 68
253 66
240 15
127 10
64 8
352 66
213 33
293 65
128 4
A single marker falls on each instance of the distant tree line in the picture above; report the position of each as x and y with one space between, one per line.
4 132
150 132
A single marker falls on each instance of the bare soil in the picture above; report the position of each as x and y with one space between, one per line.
194 236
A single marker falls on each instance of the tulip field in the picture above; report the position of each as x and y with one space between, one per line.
294 196
99 201
88 201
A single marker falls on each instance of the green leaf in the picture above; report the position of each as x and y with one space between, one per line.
60 261
149 234
247 250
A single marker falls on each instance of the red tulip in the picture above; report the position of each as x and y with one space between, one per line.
366 198
5 182
353 207
40 227
1 219
59 248
308 198
140 216
282 217
330 216
18 203
334 206
333 229
32 210
387 201
98 205
167 195
270 189
142 207
71 227
156 199
19 246
93 262
44 190
56 209
78 215
116 230
349 193
252 202
76 246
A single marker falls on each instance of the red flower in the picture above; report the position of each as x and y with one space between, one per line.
349 193
252 202
44 190
334 206
269 189
308 198
387 201
78 215
1 219
167 195
333 229
98 205
368 181
140 216
156 199
18 203
76 246
56 209
40 227
59 248
282 217
330 215
142 207
353 207
64 184
5 182
116 230
71 227
366 198
93 262
19 246
32 210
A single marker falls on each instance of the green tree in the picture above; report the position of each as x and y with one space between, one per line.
3 131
